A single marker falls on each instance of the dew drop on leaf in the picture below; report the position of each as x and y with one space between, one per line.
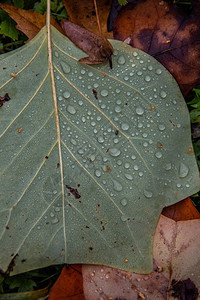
148 193
123 218
66 94
71 109
104 93
128 176
139 110
147 78
125 126
161 127
65 67
121 60
98 173
117 186
114 152
158 154
163 94
183 170
124 202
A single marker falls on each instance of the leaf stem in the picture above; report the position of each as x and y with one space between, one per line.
97 16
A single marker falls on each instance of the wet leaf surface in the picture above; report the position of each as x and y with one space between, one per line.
167 33
134 137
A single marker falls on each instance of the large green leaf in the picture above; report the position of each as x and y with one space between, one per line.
89 155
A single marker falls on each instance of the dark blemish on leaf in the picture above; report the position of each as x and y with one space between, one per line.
47 223
107 150
87 226
159 145
172 123
93 13
4 99
12 254
95 93
73 191
46 157
58 166
23 260
7 227
37 74
185 289
116 132
20 129
126 103
90 248
69 205
78 185
4 68
110 61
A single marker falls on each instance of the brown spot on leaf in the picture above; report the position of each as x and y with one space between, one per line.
107 169
20 129
159 145
95 93
58 166
74 192
116 132
4 99
13 75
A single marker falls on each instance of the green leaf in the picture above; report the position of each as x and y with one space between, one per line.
18 3
7 27
89 155
122 2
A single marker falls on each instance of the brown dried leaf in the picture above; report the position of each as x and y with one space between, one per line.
28 21
176 257
82 12
167 33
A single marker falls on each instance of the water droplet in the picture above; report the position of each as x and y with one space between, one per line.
187 185
158 71
104 93
123 218
116 141
57 209
139 110
65 67
150 68
183 170
168 166
121 60
127 165
90 74
163 94
116 185
135 53
74 142
148 193
82 71
114 152
139 73
66 95
117 109
71 110
80 102
119 162
124 202
133 157
136 168
92 157
125 126
98 173
100 139
147 78
52 215
140 174
161 127
55 221
158 154
56 54
178 185
128 176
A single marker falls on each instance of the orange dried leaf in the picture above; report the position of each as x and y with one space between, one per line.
69 285
181 211
28 21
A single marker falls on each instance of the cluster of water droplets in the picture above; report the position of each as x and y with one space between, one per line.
118 124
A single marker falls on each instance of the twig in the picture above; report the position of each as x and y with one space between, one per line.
97 16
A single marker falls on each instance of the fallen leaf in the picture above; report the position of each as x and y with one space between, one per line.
176 259
28 21
98 48
58 199
82 13
181 211
69 284
167 33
